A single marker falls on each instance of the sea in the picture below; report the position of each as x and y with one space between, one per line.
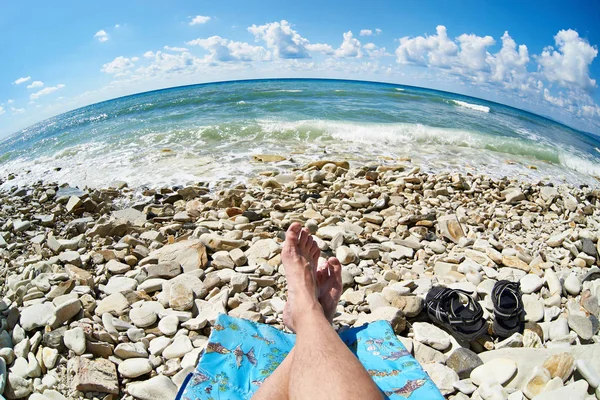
209 132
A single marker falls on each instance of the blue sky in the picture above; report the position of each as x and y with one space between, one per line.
59 55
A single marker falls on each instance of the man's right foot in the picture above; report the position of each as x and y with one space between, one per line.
329 283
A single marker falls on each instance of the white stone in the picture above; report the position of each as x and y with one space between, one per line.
558 329
158 388
573 284
588 372
75 340
531 283
499 370
574 391
158 344
143 316
118 284
168 325
554 285
534 308
49 357
465 386
431 335
36 315
134 367
443 377
130 350
180 346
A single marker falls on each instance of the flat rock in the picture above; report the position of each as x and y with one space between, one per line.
158 388
450 228
431 335
498 370
216 243
166 270
443 377
560 365
115 304
536 382
529 358
391 314
36 316
143 316
99 375
582 326
534 308
190 254
120 284
531 283
574 391
181 297
134 367
180 346
115 267
463 361
75 340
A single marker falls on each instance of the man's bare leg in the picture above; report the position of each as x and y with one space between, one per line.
329 288
319 354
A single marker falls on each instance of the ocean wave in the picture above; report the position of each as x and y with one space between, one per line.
400 89
283 91
475 107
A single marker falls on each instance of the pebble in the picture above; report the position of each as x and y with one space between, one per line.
75 340
134 367
158 388
180 346
147 283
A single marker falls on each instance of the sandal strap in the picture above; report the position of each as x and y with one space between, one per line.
513 289
442 306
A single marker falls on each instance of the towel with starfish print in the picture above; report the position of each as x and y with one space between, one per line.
241 354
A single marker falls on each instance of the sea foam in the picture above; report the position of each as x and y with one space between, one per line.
475 107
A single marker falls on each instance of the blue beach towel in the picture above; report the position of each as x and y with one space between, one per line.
241 354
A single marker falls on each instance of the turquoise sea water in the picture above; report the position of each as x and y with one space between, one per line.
208 132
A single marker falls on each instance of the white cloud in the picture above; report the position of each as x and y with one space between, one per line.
320 48
35 84
224 50
180 49
117 26
350 47
101 35
199 20
149 54
281 39
436 50
509 65
17 111
119 65
473 51
569 65
46 91
2 110
10 101
374 51
165 64
369 32
22 80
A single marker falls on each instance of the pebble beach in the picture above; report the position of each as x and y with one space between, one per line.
111 293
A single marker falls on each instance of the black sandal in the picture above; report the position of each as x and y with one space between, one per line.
446 308
508 308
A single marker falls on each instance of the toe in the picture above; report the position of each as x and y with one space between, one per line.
290 246
335 269
304 239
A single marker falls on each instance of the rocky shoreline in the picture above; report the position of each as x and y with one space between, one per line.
104 301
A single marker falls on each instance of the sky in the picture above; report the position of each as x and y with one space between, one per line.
540 56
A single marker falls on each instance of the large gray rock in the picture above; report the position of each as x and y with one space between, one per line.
463 361
190 254
36 316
